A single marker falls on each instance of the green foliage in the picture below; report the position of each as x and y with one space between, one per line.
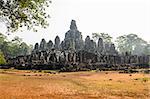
106 37
2 59
132 43
147 49
23 48
126 43
14 47
24 13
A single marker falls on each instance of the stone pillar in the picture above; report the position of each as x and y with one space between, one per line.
100 45
43 45
57 43
66 53
74 57
80 55
50 45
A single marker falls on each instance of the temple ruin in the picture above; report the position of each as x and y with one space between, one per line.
76 52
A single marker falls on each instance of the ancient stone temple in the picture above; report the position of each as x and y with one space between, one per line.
73 38
73 50
73 41
36 47
86 44
57 43
43 45
100 46
50 45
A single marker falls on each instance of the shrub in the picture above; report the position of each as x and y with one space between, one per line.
2 59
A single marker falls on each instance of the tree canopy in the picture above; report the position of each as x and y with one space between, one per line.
132 43
126 43
24 13
14 47
106 37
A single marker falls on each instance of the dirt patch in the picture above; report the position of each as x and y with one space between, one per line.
76 85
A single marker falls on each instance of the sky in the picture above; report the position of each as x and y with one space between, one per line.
115 17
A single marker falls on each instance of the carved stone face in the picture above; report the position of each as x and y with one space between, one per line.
50 44
43 45
36 47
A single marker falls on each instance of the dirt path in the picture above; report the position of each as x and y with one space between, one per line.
76 85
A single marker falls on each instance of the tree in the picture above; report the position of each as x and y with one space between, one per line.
131 43
147 49
122 44
3 43
2 59
106 37
24 49
2 38
24 13
14 47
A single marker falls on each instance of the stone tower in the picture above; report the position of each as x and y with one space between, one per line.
57 43
73 38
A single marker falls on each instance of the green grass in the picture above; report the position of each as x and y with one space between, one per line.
145 79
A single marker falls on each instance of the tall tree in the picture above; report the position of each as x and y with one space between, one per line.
24 49
147 49
131 43
14 47
24 13
106 37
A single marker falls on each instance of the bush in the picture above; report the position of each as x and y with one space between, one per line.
147 71
2 59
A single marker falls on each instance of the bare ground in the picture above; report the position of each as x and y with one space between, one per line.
17 84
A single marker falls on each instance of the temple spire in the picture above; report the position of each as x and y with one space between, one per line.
73 25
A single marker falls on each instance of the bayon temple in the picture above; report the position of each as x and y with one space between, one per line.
76 52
